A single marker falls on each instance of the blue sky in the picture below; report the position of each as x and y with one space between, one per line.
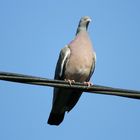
31 35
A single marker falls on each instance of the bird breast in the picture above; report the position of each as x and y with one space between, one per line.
79 66
81 58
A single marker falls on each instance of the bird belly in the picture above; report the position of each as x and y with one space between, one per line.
78 73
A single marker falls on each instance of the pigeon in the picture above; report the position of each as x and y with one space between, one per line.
76 63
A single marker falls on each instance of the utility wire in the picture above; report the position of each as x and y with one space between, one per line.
98 89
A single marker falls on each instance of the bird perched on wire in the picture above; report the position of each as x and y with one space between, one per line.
76 63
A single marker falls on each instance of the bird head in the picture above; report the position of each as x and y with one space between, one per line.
83 24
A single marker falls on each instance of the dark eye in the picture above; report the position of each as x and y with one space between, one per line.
85 19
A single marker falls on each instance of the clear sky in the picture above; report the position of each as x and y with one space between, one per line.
32 32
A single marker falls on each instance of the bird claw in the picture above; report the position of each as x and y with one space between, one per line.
70 81
88 84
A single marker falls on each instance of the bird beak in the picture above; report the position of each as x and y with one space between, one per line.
89 20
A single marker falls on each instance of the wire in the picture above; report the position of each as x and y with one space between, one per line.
98 89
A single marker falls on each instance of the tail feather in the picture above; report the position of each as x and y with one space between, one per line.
56 118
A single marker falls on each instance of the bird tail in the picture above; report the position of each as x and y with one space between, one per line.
56 118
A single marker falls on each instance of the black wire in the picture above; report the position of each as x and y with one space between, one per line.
26 79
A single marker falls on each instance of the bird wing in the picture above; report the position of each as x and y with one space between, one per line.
92 66
61 65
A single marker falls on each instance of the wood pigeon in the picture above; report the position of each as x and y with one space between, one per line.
76 63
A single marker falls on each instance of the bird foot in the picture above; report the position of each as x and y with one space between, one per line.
88 84
69 81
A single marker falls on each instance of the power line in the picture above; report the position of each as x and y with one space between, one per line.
98 89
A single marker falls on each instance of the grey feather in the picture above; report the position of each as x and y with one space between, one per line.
76 62
61 63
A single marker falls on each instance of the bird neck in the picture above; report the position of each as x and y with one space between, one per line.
81 29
